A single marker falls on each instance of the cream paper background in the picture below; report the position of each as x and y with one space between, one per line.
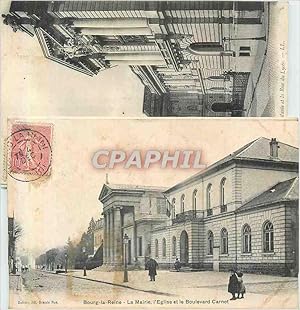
52 209
33 86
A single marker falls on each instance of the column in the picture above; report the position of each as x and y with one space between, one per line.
116 31
180 82
134 237
105 241
111 23
118 238
133 62
132 48
108 254
135 56
111 232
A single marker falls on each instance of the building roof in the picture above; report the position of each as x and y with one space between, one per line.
283 191
136 187
109 188
258 149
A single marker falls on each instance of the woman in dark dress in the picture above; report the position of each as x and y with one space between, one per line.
233 285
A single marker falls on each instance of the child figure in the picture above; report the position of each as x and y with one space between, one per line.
241 285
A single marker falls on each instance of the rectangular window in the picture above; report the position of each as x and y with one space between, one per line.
224 246
271 242
140 246
246 250
245 51
267 243
210 247
250 244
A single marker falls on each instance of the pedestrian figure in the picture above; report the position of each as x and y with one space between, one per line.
241 285
233 284
151 266
177 265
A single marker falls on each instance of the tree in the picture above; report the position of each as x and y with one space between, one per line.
70 250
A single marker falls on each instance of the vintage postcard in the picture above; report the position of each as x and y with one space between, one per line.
140 213
144 58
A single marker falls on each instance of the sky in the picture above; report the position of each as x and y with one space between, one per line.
52 209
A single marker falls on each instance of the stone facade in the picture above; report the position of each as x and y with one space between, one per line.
193 57
240 212
98 234
133 211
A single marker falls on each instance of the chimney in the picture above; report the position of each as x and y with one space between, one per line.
106 179
274 148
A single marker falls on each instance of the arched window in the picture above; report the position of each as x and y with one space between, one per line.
224 241
208 196
246 233
222 192
194 202
210 243
156 248
174 246
173 212
164 247
268 232
182 203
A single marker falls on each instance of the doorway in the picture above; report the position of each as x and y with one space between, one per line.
184 247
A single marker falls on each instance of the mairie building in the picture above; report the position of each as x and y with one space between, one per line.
241 212
194 58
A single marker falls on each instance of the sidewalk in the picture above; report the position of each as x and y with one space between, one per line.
181 283
190 288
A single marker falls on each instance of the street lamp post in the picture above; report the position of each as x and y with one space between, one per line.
84 266
66 262
125 242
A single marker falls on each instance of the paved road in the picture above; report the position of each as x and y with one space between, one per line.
170 287
41 281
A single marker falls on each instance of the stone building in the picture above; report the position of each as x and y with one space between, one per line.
193 57
240 212
93 237
134 210
98 234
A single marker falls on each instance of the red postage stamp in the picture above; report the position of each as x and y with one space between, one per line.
29 151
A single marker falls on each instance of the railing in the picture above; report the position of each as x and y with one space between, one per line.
188 216
223 208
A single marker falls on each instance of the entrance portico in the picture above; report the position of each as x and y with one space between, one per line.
113 235
134 211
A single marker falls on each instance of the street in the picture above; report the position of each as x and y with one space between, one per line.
195 289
